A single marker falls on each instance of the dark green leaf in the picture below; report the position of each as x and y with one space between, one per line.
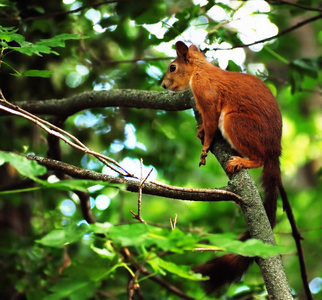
73 288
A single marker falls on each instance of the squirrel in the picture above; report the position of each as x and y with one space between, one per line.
243 108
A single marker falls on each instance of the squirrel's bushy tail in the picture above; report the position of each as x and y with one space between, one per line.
229 268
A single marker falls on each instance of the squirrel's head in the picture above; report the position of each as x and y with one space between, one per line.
180 70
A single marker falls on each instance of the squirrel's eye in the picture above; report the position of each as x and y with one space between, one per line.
172 68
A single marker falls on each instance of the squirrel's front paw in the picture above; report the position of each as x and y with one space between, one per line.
203 158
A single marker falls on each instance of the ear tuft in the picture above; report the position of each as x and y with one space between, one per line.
194 48
181 48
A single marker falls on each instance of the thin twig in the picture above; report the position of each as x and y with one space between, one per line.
127 255
297 238
62 134
304 7
283 32
142 181
174 223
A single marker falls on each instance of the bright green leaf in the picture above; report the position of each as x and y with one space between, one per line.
61 237
179 270
130 234
251 247
38 73
104 252
100 227
73 184
24 166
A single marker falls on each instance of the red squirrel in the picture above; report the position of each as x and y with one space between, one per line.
243 108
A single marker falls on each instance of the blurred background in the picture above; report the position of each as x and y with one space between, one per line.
128 45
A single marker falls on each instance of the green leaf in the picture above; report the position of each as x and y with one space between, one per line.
130 234
179 270
100 227
303 67
143 235
38 73
73 184
152 15
9 34
172 240
107 252
23 165
251 247
58 238
59 40
43 46
310 66
74 288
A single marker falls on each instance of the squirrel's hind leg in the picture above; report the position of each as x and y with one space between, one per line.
236 163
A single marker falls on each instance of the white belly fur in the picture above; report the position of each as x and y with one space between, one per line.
221 127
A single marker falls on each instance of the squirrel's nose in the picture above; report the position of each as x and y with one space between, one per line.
164 86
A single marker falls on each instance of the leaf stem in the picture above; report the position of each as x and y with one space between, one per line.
277 56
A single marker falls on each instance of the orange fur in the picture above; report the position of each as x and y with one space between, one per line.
243 108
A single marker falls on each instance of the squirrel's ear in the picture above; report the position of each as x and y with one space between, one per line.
182 49
194 48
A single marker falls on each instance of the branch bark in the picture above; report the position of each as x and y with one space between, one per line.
114 98
257 222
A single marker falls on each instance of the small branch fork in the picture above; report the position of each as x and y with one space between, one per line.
142 181
173 223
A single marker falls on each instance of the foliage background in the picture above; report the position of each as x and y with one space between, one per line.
118 51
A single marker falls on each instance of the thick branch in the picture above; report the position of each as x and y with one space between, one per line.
257 222
113 98
151 188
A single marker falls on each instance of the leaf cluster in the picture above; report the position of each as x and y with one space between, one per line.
11 41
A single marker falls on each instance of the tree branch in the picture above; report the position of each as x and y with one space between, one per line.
125 98
257 222
67 137
151 188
